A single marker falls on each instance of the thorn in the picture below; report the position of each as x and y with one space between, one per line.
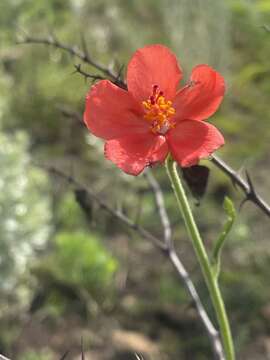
84 47
119 74
77 69
93 77
250 184
246 199
82 350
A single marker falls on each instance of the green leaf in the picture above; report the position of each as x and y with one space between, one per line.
216 255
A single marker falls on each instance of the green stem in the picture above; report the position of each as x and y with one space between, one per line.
202 256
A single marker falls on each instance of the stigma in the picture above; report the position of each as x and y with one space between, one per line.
158 111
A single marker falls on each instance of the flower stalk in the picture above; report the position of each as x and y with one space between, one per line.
208 273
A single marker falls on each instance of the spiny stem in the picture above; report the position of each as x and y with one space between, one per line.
203 259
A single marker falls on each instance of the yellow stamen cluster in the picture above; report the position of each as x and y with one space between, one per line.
158 111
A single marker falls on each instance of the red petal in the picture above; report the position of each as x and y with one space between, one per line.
201 98
133 153
153 65
193 140
111 112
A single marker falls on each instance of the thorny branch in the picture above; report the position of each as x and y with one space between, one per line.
75 51
165 246
246 186
180 269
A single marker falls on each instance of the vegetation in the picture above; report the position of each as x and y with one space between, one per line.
70 270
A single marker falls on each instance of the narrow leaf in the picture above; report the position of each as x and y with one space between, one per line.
231 214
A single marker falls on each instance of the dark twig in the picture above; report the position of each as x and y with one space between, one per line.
82 350
84 46
246 186
119 76
179 267
86 75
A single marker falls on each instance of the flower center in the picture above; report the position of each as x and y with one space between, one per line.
158 111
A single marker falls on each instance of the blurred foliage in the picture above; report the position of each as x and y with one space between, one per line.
36 355
24 210
81 265
72 263
69 214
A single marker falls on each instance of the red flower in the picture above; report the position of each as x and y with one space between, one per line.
142 125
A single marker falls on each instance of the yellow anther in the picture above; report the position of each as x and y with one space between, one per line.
163 107
171 111
147 105
161 100
158 111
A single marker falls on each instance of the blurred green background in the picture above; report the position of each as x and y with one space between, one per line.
66 276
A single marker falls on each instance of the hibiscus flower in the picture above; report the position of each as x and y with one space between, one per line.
152 118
